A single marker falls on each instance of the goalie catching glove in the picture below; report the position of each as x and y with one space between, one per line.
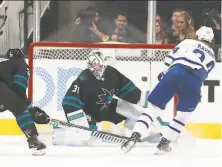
39 116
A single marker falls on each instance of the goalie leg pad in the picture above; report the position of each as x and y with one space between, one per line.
129 123
78 118
129 110
72 136
69 136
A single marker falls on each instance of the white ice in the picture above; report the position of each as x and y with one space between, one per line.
187 153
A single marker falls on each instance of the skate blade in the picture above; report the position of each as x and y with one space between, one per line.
161 152
154 138
36 152
129 146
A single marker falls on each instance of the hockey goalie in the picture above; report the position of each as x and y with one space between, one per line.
100 93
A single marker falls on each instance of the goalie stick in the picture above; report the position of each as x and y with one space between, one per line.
95 134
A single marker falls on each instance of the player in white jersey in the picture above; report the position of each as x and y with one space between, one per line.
188 65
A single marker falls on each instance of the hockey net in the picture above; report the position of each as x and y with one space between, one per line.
54 65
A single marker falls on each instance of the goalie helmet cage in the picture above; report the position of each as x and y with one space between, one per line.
78 51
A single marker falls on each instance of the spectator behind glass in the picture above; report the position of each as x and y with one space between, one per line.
121 33
163 23
173 26
212 18
174 19
87 23
161 37
184 30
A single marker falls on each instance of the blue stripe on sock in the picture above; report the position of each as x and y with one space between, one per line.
26 124
145 123
70 104
176 130
123 88
23 116
94 127
74 98
20 76
56 127
128 91
20 84
147 116
181 123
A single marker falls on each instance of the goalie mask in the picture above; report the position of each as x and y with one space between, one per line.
96 63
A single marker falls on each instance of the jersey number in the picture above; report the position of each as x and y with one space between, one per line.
209 65
201 53
75 89
201 56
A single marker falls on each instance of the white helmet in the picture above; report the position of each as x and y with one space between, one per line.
96 63
205 33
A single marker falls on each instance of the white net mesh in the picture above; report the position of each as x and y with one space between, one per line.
51 66
121 54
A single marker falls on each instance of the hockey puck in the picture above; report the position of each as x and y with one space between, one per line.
144 78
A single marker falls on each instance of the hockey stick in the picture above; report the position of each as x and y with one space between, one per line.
100 135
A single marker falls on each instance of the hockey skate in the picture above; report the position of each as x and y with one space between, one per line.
129 144
37 147
152 138
163 147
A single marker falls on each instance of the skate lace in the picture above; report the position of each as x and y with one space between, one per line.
135 136
164 140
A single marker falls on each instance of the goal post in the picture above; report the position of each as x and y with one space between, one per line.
54 65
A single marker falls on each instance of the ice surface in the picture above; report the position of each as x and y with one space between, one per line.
187 153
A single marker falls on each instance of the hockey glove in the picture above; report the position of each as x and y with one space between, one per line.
39 116
160 76
14 54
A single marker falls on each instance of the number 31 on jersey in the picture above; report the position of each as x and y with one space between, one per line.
75 89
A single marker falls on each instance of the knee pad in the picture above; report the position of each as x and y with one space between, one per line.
129 110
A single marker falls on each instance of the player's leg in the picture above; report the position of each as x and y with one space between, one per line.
132 112
189 97
159 97
23 118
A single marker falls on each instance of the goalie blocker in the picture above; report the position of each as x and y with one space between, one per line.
93 92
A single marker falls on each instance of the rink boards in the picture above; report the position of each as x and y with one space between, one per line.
52 78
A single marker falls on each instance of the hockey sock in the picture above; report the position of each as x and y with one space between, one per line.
177 125
26 124
145 119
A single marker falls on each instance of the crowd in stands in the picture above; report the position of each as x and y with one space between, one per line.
90 28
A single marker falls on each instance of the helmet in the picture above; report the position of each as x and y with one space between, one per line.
205 33
14 54
96 63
